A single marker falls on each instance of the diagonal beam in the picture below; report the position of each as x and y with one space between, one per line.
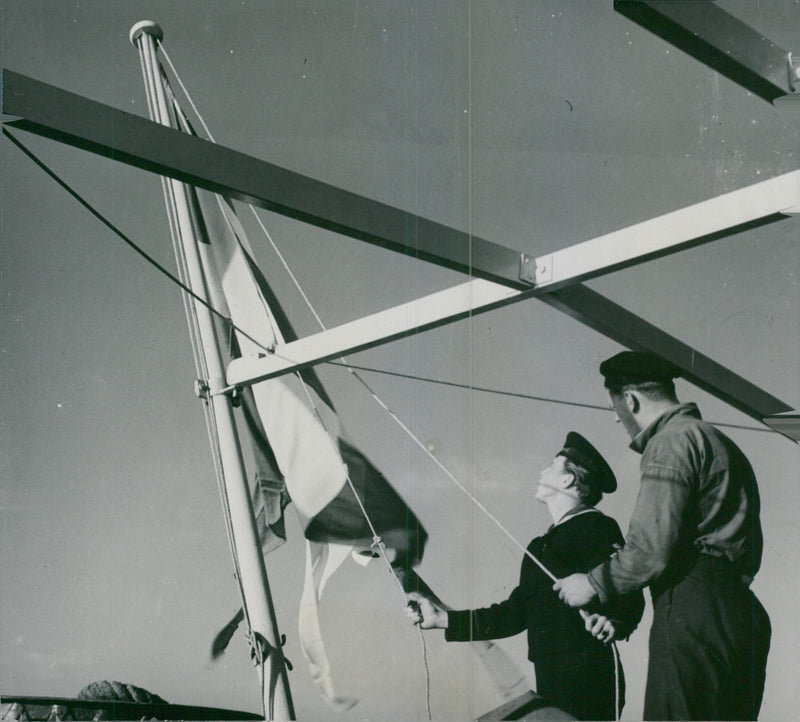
55 113
717 39
624 327
694 224
469 299
422 314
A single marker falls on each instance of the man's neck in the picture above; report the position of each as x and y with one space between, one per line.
560 505
654 410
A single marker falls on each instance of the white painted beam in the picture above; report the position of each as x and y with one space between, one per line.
421 314
693 225
656 237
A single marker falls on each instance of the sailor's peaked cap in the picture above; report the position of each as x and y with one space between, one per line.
578 450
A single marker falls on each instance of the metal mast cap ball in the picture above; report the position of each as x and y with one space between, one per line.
145 26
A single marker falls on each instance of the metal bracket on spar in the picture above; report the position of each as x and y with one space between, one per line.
791 101
204 389
536 271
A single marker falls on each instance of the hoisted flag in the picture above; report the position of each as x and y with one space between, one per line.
302 454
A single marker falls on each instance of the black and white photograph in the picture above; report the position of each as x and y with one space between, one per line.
367 360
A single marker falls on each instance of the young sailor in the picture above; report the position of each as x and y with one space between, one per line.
695 539
574 670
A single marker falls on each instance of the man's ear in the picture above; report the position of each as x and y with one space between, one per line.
633 402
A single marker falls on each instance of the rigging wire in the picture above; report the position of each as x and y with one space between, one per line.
138 249
471 387
513 394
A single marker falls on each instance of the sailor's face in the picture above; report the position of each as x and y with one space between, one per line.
551 479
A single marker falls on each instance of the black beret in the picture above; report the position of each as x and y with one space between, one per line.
634 367
581 452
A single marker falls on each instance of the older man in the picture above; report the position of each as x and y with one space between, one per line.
574 671
695 539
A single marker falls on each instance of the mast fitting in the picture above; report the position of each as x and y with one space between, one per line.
201 389
145 26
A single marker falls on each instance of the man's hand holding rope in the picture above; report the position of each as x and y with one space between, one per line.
575 590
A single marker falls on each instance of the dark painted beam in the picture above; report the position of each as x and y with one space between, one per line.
86 124
626 328
717 39
55 113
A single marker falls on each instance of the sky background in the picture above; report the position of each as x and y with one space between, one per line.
536 125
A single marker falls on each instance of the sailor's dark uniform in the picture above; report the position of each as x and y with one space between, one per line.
574 671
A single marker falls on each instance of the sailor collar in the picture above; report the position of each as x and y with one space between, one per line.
575 511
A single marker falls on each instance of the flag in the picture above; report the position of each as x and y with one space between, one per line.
302 453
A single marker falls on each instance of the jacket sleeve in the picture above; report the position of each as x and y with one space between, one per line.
504 619
626 610
653 534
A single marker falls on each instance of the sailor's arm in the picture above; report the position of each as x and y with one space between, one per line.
653 534
504 619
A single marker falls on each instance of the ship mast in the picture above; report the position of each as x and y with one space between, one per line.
245 544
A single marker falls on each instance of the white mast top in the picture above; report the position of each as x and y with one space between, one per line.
145 26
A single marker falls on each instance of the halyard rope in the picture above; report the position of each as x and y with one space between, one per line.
376 539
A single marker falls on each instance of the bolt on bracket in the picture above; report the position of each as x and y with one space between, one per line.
535 270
